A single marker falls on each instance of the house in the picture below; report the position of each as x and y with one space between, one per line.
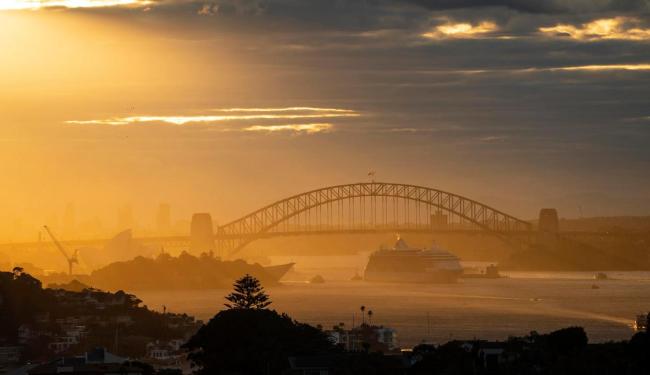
96 362
168 355
491 354
62 344
86 369
27 332
365 337
160 352
9 354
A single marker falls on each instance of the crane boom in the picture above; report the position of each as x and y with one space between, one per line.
69 259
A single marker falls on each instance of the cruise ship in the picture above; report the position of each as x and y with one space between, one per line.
403 263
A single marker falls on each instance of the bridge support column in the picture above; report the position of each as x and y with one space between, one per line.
201 234
548 228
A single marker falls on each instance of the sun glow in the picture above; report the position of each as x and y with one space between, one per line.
40 4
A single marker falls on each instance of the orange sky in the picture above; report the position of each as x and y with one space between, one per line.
227 105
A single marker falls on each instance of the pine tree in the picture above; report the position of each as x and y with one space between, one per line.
248 294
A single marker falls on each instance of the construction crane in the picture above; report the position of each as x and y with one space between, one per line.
70 259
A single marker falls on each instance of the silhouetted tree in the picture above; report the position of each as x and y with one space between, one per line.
248 294
363 314
568 340
253 341
370 317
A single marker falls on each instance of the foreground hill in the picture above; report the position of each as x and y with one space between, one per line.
48 322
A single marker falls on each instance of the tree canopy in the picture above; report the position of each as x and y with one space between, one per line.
253 341
248 294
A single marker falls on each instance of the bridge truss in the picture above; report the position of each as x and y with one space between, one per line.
367 207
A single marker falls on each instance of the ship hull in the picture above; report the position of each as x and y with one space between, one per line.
433 277
278 272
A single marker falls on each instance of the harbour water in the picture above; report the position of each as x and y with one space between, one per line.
487 309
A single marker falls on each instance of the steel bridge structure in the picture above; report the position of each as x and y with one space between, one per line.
357 208
367 208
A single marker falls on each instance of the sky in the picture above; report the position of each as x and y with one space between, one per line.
224 106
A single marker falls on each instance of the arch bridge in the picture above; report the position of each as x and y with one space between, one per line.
371 207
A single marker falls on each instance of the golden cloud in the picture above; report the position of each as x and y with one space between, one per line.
298 128
593 68
605 67
461 30
608 28
239 119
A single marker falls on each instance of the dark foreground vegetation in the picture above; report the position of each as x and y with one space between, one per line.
49 322
249 338
263 341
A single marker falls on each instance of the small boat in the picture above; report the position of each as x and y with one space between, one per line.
601 276
318 279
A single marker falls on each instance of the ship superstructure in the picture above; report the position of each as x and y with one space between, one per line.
403 263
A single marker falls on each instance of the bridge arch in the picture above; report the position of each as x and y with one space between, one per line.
234 236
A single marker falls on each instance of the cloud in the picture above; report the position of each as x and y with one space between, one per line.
461 30
238 118
571 68
287 109
298 128
209 9
603 67
624 28
184 120
40 4
540 6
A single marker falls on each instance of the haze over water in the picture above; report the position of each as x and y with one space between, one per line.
486 309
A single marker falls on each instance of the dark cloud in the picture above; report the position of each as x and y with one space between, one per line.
540 6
